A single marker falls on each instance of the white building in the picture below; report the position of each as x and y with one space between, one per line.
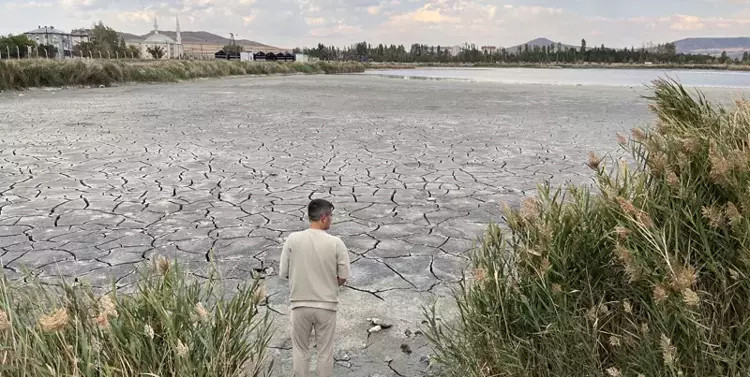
172 49
48 35
455 50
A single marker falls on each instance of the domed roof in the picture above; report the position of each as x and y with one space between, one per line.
159 38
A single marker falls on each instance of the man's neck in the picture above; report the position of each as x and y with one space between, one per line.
316 226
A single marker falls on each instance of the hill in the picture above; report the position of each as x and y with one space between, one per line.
539 42
714 46
199 38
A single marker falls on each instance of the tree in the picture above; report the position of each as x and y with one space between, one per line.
157 52
16 45
105 41
51 51
234 49
724 58
583 46
745 57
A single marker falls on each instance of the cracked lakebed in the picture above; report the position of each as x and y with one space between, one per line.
95 181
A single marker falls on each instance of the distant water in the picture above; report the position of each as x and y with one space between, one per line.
568 76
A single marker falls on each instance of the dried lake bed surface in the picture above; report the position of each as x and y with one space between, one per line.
95 181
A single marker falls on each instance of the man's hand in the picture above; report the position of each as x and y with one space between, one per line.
341 281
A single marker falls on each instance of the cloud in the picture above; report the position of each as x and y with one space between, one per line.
290 23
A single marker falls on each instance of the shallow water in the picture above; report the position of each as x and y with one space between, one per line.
567 76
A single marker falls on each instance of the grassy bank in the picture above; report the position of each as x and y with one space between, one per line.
648 275
170 326
21 74
714 67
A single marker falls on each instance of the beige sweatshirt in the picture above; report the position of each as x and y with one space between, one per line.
312 260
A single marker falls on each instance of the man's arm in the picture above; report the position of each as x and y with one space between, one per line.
342 263
284 263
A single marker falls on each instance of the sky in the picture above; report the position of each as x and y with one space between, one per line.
298 23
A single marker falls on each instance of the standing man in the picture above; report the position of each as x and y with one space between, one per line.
316 264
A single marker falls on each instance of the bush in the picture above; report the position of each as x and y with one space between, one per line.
169 326
649 277
21 74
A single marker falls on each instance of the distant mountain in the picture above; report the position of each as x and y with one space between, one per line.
734 47
198 37
539 42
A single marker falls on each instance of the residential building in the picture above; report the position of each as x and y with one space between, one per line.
48 35
78 36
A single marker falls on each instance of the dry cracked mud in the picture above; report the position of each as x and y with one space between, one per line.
93 182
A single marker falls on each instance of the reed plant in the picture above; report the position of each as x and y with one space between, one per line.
169 325
22 74
645 274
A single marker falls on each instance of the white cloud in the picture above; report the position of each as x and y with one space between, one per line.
290 23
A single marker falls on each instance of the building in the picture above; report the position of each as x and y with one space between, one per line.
489 49
48 35
78 36
172 49
455 50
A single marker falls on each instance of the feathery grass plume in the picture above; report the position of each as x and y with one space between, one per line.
622 139
639 135
55 321
733 214
529 208
480 274
645 219
627 206
690 297
673 180
162 265
259 296
201 312
181 349
614 372
720 166
4 320
660 294
557 288
623 254
714 215
684 277
102 321
669 352
690 146
593 161
614 341
627 307
149 331
107 307
622 233
658 162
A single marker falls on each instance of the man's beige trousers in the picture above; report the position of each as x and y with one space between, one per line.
304 320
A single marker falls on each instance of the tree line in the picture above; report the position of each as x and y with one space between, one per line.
20 46
552 53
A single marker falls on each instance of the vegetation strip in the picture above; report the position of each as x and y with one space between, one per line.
22 74
647 277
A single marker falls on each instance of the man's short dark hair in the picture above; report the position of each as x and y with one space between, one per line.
319 208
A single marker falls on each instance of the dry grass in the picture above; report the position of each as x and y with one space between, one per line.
170 326
21 74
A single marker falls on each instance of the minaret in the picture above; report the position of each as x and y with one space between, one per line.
179 35
156 26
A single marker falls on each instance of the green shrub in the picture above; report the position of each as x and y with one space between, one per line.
649 277
21 74
169 326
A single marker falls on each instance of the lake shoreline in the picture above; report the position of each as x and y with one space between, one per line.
614 66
